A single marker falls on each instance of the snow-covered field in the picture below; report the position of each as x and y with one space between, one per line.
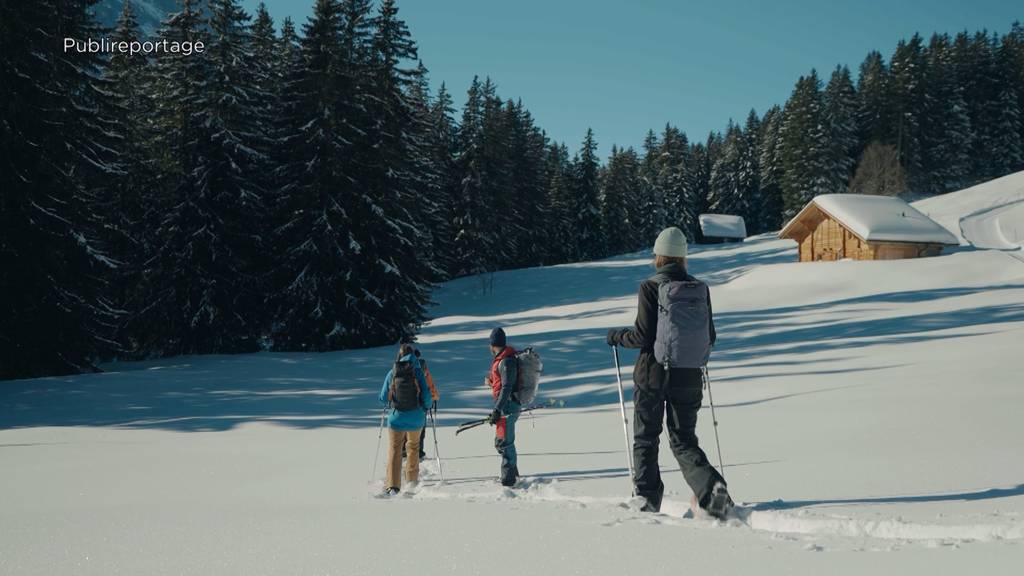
871 418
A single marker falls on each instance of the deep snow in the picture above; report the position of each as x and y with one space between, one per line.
864 407
989 215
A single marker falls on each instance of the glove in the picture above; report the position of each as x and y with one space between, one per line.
494 417
433 407
613 336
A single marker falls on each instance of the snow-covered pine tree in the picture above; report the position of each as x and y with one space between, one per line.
497 177
748 179
558 172
675 180
442 149
200 291
771 171
391 264
701 161
314 285
54 318
267 53
839 108
618 184
290 57
724 193
634 194
713 148
525 158
805 148
907 95
946 132
428 214
651 203
585 208
978 74
874 110
128 78
1008 117
1014 44
474 242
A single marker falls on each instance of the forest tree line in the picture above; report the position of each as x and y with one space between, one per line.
306 189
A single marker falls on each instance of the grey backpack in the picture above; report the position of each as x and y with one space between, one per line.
683 339
530 368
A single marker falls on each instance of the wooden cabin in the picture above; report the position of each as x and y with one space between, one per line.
862 227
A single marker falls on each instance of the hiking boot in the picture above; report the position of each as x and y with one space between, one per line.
718 502
391 491
650 506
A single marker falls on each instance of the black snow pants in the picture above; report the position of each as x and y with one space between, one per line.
676 402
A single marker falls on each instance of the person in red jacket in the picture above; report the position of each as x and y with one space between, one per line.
503 380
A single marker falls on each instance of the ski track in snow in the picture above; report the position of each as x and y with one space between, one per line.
999 228
544 491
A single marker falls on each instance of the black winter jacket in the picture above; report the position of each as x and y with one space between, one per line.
647 373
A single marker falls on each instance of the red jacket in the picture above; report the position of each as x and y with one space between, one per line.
500 396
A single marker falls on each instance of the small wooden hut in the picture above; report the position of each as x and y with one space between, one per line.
716 228
862 227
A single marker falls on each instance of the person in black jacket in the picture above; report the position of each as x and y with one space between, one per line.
671 395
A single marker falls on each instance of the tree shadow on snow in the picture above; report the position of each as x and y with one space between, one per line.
339 389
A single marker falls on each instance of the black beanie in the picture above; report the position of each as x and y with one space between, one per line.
498 337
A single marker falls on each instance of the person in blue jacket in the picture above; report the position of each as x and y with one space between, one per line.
406 392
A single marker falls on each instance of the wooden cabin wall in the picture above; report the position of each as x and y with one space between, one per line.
896 251
804 254
828 240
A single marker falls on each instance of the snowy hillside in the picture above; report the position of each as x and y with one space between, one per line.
989 215
865 406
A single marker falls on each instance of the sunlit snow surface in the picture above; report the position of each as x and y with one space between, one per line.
871 415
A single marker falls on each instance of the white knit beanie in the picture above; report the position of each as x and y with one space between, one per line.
671 242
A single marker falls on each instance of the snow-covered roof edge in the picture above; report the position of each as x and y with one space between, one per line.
877 219
722 226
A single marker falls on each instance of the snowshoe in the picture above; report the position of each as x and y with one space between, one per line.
390 491
718 503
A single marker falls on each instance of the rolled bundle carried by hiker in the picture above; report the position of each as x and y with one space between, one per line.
674 331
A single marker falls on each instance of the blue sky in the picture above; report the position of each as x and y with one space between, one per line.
623 67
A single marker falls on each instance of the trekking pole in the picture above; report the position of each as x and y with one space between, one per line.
380 433
711 400
625 420
437 454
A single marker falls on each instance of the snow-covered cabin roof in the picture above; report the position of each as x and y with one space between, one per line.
875 219
722 226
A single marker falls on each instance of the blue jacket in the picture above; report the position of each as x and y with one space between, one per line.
410 420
